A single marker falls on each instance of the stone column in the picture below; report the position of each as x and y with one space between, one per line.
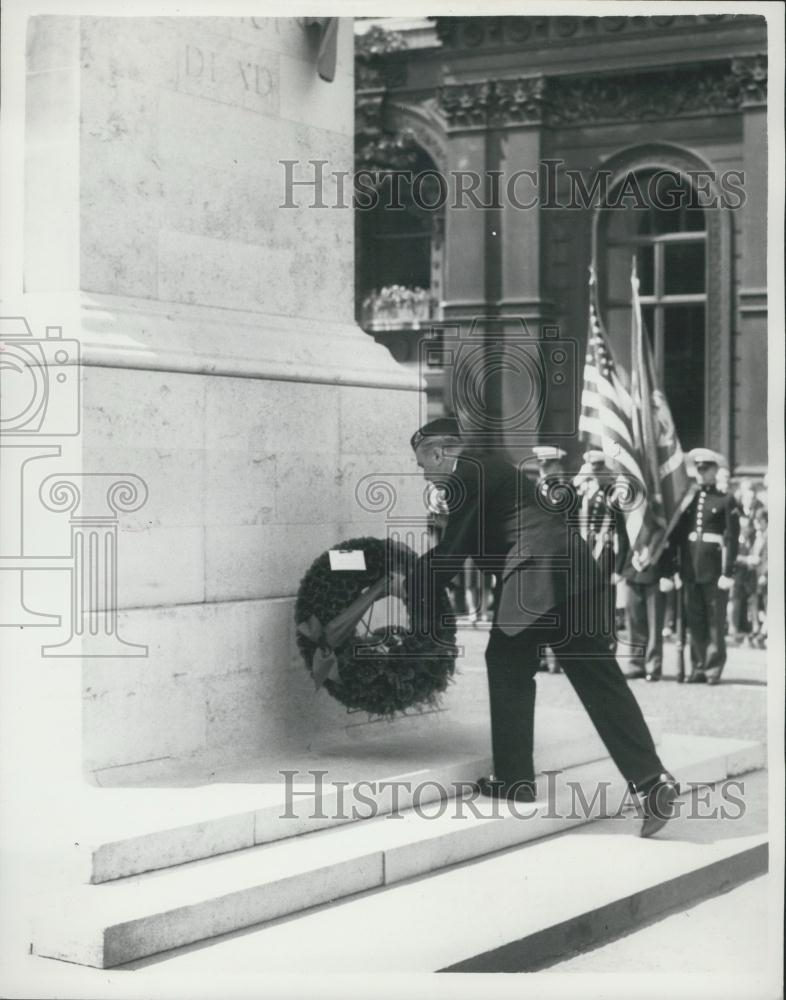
526 380
465 109
749 410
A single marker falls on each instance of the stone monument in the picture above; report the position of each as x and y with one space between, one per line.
224 382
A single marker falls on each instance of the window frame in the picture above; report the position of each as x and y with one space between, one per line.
658 299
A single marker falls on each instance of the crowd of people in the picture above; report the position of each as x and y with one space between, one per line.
747 619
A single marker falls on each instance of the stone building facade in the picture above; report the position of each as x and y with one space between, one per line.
548 99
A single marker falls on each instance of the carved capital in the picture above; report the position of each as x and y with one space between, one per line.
465 105
751 74
518 102
721 87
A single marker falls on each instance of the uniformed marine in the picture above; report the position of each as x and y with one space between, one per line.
551 473
602 526
704 549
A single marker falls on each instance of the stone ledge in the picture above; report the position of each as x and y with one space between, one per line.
142 915
125 332
203 807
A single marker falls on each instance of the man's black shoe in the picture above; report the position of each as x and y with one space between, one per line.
634 675
659 804
518 791
697 677
654 676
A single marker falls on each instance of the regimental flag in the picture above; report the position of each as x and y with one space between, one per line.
632 428
666 480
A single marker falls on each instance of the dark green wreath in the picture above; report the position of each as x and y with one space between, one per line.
392 669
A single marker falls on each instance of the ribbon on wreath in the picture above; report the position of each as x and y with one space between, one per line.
327 638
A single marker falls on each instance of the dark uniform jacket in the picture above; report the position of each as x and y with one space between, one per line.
704 543
497 518
603 526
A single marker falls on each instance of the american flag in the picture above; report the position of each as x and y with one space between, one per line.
613 420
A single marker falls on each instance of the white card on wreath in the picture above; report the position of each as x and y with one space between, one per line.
347 559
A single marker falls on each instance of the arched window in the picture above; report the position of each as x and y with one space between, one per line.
666 231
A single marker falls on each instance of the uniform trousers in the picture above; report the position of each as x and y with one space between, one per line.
512 662
705 607
646 607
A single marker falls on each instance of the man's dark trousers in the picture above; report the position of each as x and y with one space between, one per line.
512 662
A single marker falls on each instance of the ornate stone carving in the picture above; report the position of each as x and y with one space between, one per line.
368 112
378 147
714 88
465 104
380 59
576 100
711 89
477 32
368 125
518 102
751 72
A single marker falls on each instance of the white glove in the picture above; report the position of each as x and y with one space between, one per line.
665 584
677 581
725 582
615 579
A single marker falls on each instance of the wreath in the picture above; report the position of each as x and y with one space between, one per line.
384 670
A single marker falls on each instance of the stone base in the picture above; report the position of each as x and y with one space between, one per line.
141 915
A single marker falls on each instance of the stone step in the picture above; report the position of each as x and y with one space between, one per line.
520 910
130 918
127 831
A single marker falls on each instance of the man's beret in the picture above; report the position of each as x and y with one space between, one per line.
441 427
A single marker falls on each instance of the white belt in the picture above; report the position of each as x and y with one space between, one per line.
707 536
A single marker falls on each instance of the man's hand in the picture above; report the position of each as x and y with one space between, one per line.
616 579
665 585
677 581
725 582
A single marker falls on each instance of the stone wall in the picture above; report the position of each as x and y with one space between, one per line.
221 363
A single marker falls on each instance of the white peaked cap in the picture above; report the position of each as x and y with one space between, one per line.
547 453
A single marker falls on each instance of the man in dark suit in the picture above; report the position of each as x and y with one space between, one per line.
546 584
704 546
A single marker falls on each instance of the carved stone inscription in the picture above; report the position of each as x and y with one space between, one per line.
231 78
